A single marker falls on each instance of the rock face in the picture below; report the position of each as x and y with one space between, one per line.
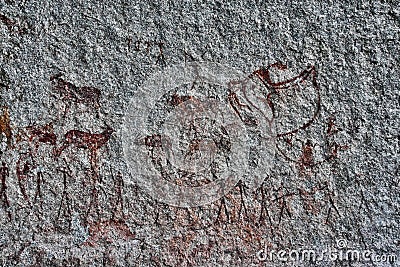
326 75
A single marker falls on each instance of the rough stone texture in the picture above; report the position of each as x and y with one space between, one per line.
337 179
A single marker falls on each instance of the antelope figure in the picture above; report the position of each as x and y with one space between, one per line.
93 142
85 94
89 96
86 140
37 135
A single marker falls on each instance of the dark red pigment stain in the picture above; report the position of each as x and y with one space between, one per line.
307 158
11 25
4 174
5 126
176 100
107 231
160 57
153 140
8 22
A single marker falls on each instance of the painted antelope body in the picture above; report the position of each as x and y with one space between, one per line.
86 140
90 141
86 95
93 142
42 134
